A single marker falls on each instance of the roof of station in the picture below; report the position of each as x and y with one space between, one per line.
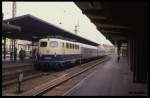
33 29
8 28
117 20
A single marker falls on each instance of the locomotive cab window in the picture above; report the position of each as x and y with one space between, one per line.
53 44
43 44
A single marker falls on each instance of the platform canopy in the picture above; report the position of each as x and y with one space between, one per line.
117 21
10 28
33 29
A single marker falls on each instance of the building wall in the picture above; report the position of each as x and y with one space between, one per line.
25 45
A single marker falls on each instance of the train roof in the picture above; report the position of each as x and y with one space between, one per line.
33 29
57 39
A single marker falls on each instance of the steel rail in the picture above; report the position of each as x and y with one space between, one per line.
40 90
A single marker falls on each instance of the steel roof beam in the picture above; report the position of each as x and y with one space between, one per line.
92 11
88 5
98 18
112 32
99 25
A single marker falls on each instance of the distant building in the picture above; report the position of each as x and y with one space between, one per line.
25 45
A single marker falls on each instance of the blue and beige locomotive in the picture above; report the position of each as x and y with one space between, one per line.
56 53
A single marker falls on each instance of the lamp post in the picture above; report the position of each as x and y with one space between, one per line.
20 79
14 42
77 27
62 17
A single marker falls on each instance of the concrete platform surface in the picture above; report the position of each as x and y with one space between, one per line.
11 64
111 78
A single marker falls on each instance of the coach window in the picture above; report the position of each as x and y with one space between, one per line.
63 45
67 46
70 45
73 46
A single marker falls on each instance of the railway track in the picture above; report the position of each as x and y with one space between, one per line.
17 67
10 75
39 79
26 77
13 70
44 88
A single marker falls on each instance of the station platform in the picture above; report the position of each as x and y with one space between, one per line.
8 63
111 78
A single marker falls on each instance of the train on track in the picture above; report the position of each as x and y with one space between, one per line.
56 53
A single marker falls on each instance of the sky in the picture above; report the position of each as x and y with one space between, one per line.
55 12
